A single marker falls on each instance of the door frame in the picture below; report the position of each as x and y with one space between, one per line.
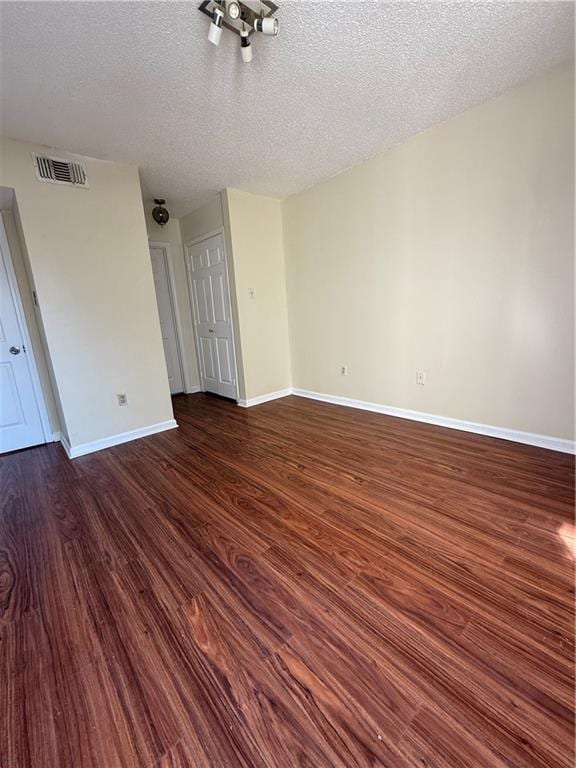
197 241
49 435
174 307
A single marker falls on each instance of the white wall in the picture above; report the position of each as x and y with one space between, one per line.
170 234
256 242
90 265
453 255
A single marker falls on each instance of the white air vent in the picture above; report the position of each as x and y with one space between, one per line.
57 171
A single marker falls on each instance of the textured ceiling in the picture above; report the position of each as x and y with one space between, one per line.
138 82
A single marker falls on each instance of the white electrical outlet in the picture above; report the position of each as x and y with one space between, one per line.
344 370
420 378
122 399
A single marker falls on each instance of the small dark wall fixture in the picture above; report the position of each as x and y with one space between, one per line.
160 214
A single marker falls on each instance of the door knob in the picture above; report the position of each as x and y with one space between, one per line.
14 350
210 330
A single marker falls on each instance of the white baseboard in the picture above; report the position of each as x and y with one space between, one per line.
528 438
66 445
54 437
541 441
193 390
264 398
107 442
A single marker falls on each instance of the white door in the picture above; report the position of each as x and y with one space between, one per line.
167 320
20 423
212 316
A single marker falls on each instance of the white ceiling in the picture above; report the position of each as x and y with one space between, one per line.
138 82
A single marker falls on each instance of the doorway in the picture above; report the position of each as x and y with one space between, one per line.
159 256
212 315
23 417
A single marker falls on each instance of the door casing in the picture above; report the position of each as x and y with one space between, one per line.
165 246
49 435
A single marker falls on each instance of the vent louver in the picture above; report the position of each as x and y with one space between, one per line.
58 171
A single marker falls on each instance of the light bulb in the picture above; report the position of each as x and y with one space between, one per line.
233 9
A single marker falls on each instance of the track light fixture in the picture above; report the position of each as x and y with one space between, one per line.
244 17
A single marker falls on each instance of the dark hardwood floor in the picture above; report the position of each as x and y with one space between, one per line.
297 584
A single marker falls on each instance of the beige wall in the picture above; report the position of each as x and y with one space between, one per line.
202 221
90 265
453 255
170 233
256 241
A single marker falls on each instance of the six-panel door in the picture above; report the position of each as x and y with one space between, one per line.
212 316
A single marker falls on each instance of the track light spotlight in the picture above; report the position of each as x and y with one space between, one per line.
232 9
267 25
245 46
215 28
